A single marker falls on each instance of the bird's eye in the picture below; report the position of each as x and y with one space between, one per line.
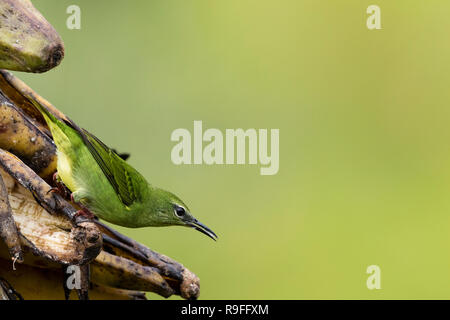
179 211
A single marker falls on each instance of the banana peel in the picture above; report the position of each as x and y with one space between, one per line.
28 42
47 244
46 284
29 143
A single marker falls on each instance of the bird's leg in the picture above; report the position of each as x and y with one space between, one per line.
60 187
83 211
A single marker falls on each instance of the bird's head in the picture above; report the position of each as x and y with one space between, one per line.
169 210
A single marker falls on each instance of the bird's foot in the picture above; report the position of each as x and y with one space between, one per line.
84 212
60 187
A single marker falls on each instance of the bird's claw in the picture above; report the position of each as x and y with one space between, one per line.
60 187
84 212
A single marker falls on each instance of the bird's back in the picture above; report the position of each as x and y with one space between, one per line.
96 175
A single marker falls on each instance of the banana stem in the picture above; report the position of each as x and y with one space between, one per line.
8 229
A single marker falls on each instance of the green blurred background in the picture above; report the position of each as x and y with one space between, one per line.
364 135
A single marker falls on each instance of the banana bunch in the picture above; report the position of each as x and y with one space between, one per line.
42 240
48 238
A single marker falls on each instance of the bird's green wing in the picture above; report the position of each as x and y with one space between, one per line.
125 180
128 184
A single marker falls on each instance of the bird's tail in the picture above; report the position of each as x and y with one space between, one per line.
48 116
60 131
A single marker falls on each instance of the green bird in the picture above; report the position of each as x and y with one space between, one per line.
102 183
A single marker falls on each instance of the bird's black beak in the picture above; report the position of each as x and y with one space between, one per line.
197 225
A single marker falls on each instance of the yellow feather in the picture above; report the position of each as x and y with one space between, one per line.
65 171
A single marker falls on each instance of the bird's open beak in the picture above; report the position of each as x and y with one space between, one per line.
197 225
